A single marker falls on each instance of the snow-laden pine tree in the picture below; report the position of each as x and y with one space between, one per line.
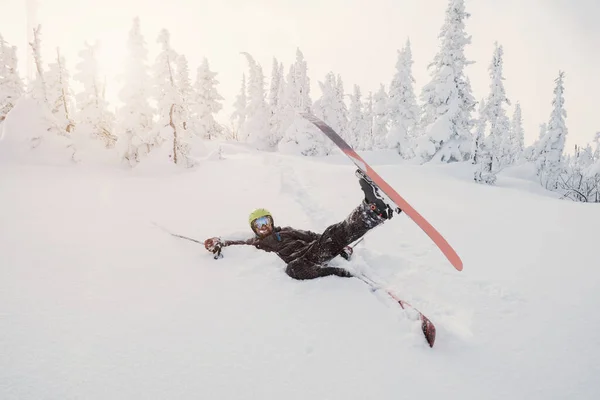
256 129
276 102
479 137
357 125
60 95
592 173
297 93
531 152
482 149
499 137
170 105
186 93
238 116
575 181
93 119
11 85
207 103
402 106
342 107
37 87
368 118
447 99
296 99
380 118
135 117
300 137
330 107
551 147
517 135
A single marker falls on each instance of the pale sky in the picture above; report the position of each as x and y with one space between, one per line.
355 38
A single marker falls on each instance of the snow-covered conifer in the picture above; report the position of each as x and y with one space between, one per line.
592 173
368 117
482 150
60 94
135 117
183 84
402 105
256 128
238 117
517 135
479 137
296 95
341 107
380 118
499 136
447 98
300 137
170 103
208 102
11 85
551 148
357 128
37 87
276 101
93 117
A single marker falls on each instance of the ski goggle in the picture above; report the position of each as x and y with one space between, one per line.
261 221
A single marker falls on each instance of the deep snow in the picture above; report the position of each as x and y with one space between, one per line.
98 303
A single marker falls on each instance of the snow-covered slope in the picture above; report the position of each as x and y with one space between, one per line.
96 302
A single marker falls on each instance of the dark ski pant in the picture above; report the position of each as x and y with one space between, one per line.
312 263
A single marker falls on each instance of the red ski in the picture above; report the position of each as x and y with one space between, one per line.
437 238
426 325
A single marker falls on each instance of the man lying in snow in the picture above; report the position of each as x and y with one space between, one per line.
306 253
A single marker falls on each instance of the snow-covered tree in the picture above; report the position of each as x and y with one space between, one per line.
256 129
402 105
170 104
298 85
447 99
368 117
276 102
37 87
60 94
517 135
478 140
551 147
482 150
532 152
592 173
183 84
208 102
380 118
11 85
296 97
357 126
300 137
94 120
238 117
135 117
341 107
499 136
329 106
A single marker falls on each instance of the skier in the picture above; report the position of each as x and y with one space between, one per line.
306 253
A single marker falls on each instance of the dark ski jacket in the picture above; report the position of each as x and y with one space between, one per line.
288 243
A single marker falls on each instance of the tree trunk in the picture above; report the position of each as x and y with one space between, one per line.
172 124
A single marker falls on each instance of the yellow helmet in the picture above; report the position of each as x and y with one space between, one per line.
258 213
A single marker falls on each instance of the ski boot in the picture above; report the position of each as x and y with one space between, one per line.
376 202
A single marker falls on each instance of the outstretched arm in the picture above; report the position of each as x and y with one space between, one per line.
215 244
